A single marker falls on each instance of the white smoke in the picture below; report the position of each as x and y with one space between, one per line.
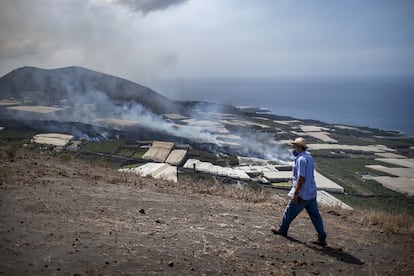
147 119
206 122
253 143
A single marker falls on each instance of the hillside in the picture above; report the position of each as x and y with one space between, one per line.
73 217
79 85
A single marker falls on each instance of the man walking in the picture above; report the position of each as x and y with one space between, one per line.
303 193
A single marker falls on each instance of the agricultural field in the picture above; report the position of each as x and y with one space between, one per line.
346 168
361 193
110 146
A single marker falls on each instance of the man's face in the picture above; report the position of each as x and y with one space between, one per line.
297 148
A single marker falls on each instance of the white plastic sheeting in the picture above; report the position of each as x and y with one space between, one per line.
401 172
35 108
407 162
208 167
370 148
278 175
159 151
325 198
155 170
402 185
54 139
324 183
254 169
176 157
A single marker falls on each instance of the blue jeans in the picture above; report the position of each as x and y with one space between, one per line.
293 209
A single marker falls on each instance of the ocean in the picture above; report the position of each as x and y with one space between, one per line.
384 103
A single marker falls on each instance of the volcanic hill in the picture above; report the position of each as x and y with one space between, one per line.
77 84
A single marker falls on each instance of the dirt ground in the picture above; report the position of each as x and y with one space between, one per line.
62 216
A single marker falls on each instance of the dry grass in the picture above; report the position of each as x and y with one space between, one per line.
44 164
386 222
389 223
217 188
65 156
11 153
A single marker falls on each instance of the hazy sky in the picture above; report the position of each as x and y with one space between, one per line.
146 40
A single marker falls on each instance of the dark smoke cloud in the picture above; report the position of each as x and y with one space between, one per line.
98 34
147 6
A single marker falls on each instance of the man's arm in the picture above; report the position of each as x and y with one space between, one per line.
301 173
299 184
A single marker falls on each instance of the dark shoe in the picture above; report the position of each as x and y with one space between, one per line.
278 232
321 242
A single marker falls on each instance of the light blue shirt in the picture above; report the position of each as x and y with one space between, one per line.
304 166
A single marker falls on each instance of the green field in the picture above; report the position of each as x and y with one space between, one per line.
16 138
282 184
359 193
138 154
110 146
125 152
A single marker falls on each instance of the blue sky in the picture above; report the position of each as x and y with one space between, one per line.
149 40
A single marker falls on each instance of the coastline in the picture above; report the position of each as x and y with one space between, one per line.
379 103
267 111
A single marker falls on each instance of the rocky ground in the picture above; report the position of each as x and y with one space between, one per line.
66 216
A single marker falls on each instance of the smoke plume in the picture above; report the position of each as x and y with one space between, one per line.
107 102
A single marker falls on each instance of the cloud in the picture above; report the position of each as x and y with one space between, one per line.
148 40
147 6
12 49
97 34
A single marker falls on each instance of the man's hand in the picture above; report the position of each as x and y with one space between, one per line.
295 199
